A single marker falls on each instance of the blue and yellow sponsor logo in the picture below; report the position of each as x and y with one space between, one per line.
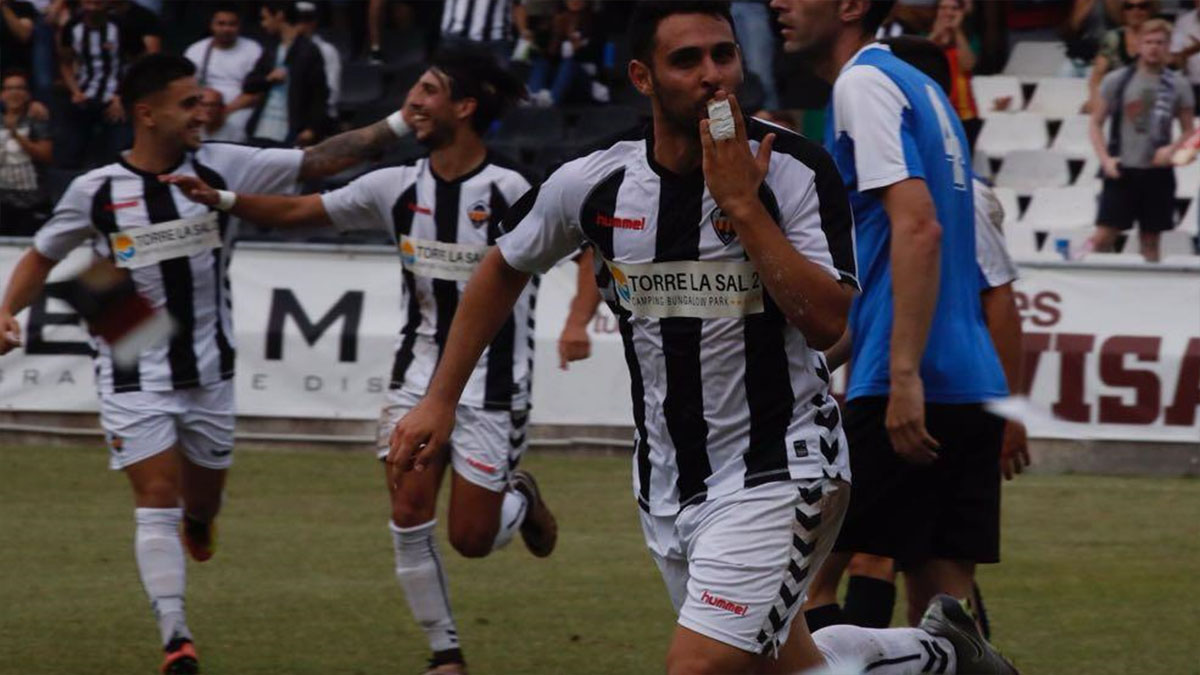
408 254
123 249
621 282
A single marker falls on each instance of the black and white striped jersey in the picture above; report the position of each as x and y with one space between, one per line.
726 393
177 252
478 20
98 57
443 229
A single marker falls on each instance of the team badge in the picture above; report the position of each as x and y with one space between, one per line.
723 226
116 442
479 213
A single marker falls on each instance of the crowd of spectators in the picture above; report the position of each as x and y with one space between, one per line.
290 73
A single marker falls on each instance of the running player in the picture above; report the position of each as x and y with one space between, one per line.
444 211
168 418
729 265
925 454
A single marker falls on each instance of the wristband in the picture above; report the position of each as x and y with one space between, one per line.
396 123
225 200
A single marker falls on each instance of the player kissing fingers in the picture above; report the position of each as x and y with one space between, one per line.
193 188
733 174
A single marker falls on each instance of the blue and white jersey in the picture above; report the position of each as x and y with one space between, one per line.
889 122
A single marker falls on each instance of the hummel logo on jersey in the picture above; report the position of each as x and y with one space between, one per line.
721 603
723 226
620 223
479 214
417 208
121 205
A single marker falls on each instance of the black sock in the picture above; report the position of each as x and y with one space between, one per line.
822 616
981 612
869 602
447 656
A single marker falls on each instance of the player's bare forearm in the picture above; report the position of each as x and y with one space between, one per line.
343 151
26 282
916 265
281 210
1004 325
837 355
587 296
485 305
809 298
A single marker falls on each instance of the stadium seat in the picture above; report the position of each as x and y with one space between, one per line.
1063 208
1077 236
1189 221
1027 170
1176 242
989 88
1020 239
1003 134
1032 61
1072 139
1059 97
1089 176
1187 181
1012 208
1123 257
1182 260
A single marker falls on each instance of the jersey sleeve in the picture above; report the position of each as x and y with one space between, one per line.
995 264
1187 96
365 204
251 170
869 108
70 225
542 228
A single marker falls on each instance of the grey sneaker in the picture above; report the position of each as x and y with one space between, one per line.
946 617
540 529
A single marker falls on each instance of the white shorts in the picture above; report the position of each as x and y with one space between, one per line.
485 446
737 568
140 424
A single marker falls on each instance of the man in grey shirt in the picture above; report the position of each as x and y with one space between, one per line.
1143 101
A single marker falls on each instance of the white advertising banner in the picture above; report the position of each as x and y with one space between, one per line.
1111 353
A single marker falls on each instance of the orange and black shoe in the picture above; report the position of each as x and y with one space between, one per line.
200 538
540 529
181 657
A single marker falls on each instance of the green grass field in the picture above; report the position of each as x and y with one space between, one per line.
1101 575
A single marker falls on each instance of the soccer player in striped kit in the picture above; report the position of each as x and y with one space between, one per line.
168 417
729 264
444 211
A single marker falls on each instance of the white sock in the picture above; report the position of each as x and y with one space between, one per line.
419 571
160 563
512 514
884 651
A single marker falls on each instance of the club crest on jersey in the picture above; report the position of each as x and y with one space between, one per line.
621 282
123 248
723 226
479 213
408 254
116 442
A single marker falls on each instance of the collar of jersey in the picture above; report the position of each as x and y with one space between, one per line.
487 159
854 59
133 169
663 172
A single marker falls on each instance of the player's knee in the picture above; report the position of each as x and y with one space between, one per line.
681 663
472 541
874 566
157 492
411 510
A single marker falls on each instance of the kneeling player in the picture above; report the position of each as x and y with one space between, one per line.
444 211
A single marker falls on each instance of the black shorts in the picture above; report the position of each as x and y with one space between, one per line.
949 509
1144 196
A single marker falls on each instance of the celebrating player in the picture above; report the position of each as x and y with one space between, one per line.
168 418
444 211
729 264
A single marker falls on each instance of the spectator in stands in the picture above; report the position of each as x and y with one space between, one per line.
16 34
568 58
141 28
24 145
1143 101
1085 28
485 23
290 74
213 104
1185 47
51 16
223 61
1119 48
752 21
306 12
948 33
90 61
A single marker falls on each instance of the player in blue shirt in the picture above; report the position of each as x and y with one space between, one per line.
924 453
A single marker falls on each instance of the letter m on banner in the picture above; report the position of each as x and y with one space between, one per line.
284 304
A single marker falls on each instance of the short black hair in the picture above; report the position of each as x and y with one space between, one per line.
643 24
225 7
923 55
877 13
151 74
475 73
288 8
15 72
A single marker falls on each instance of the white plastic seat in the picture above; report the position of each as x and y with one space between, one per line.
1090 176
1189 221
1012 207
1032 61
989 88
1059 97
1077 237
1058 209
1073 139
1123 257
1027 170
1182 260
1003 134
1187 181
1020 239
1175 242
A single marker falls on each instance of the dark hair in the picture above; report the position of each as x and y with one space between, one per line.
151 74
643 25
15 72
225 8
290 14
923 55
475 73
876 14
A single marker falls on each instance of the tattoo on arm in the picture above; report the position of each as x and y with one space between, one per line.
345 150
